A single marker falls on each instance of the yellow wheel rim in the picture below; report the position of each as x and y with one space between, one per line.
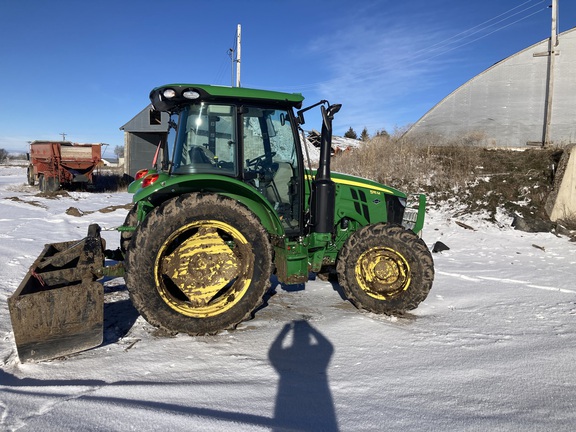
382 272
204 268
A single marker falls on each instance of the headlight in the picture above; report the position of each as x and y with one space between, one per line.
169 93
191 94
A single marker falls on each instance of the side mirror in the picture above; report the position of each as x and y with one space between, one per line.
333 109
300 117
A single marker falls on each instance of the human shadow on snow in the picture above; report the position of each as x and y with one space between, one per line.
300 354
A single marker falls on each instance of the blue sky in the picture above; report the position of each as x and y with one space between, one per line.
85 68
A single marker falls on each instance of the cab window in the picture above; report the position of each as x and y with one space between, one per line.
207 140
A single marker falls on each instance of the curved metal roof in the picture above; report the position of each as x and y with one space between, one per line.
505 105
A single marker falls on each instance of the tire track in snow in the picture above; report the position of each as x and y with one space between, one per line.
505 281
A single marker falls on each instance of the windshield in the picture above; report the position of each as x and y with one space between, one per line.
206 140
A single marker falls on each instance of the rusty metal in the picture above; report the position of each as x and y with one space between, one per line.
54 163
58 309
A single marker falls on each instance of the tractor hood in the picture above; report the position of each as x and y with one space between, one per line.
359 182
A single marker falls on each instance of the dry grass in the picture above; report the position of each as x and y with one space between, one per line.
480 178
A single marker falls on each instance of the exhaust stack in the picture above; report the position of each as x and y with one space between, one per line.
323 188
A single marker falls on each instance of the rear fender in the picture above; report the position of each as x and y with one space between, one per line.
167 187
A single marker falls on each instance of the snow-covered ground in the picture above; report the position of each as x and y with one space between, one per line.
492 348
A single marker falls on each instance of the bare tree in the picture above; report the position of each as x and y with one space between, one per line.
119 151
3 155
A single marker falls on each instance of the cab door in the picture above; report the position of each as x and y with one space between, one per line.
272 162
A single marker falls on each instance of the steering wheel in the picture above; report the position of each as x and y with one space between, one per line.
259 160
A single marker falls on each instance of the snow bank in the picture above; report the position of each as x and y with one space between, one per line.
492 348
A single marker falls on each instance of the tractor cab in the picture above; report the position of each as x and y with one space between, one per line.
247 138
252 143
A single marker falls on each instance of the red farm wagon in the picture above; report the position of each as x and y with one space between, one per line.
60 163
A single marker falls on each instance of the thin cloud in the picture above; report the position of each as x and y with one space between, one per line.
371 68
388 71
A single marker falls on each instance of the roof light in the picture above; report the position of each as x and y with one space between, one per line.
169 93
191 94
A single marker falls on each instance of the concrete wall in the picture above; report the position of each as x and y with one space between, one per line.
563 200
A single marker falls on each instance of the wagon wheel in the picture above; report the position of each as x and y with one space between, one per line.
198 264
41 183
30 175
51 184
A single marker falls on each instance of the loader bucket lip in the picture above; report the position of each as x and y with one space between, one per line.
58 308
72 321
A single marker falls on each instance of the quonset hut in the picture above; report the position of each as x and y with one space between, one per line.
525 99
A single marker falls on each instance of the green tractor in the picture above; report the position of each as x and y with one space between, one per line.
233 204
236 204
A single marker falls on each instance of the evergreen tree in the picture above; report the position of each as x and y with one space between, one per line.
351 134
364 136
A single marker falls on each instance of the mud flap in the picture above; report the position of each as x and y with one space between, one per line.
58 309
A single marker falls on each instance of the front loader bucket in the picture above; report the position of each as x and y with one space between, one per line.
58 308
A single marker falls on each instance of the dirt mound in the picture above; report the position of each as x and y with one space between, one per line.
73 211
33 203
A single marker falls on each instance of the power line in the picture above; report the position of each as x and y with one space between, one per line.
445 46
224 67
482 25
483 36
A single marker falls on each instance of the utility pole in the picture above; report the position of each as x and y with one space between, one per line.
238 53
551 54
63 136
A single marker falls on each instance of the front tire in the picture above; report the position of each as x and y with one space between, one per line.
385 269
30 175
198 264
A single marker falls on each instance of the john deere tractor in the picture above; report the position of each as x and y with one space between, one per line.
233 204
236 204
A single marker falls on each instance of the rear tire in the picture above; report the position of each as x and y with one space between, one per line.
198 264
126 236
385 269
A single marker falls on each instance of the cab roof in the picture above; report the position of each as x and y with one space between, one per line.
188 93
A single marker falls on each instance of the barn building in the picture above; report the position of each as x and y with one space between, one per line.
142 135
525 99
